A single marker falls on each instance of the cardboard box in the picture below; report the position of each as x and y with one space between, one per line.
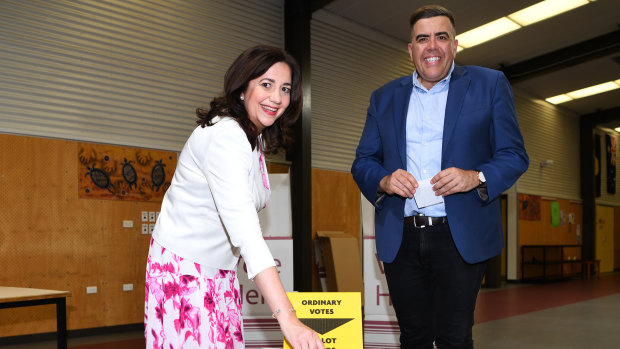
338 255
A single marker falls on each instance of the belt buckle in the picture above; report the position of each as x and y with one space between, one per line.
415 224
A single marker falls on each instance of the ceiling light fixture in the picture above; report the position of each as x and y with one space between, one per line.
504 25
544 10
487 32
559 99
584 92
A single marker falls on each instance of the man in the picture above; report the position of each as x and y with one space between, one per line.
456 127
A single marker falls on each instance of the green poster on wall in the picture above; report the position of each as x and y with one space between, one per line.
555 213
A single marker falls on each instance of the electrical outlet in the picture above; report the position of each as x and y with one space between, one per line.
145 228
151 216
127 224
127 287
145 216
151 228
91 289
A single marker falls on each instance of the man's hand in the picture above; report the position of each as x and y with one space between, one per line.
454 180
400 182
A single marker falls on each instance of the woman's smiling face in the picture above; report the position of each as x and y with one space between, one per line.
267 97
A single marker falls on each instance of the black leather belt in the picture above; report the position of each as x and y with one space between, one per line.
425 221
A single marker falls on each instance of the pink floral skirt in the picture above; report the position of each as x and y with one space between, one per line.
188 305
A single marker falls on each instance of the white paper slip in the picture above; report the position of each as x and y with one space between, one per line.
424 195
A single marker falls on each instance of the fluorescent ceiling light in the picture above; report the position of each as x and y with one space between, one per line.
545 9
519 19
592 90
487 32
584 92
558 99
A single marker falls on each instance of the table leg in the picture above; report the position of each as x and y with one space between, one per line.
61 323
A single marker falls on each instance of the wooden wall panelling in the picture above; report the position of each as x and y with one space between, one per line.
540 232
604 237
273 167
51 239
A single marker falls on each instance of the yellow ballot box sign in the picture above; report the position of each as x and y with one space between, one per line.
335 316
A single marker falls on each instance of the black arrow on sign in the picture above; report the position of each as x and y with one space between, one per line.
322 326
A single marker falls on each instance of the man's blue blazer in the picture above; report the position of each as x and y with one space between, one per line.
481 132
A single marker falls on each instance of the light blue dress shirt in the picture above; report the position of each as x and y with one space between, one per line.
424 134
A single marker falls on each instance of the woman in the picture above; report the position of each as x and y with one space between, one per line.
209 215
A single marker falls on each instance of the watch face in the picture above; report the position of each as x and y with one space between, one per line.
481 177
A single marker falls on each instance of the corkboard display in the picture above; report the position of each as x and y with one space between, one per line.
50 238
121 173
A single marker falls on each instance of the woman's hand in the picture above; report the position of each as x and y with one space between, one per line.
297 334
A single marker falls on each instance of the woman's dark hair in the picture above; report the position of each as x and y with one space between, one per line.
251 64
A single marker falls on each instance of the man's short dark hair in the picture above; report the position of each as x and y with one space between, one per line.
430 11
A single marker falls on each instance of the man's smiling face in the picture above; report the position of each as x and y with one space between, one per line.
432 49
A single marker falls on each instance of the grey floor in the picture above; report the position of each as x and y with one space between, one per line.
589 324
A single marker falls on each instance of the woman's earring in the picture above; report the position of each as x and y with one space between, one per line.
242 98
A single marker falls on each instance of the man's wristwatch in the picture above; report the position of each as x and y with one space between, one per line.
481 180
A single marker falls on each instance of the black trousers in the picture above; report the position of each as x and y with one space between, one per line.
433 290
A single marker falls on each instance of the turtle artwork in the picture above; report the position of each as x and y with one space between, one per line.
158 175
123 173
99 178
129 173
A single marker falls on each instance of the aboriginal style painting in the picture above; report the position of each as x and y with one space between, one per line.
529 207
123 173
